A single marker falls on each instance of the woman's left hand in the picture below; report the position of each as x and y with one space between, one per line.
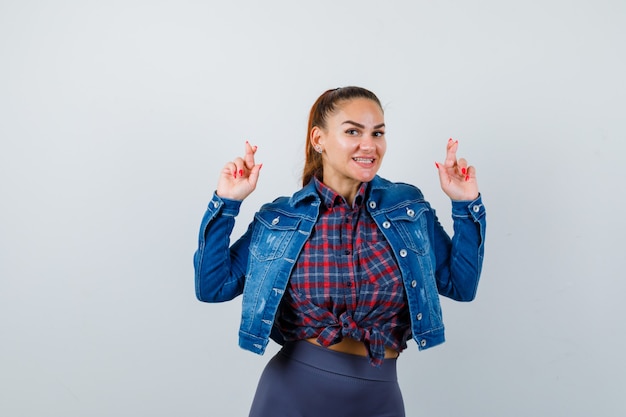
458 180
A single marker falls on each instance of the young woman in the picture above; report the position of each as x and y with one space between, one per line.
343 272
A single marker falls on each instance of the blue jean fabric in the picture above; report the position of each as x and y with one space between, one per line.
258 264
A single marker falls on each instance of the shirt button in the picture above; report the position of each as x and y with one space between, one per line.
346 325
403 253
476 208
372 204
349 284
419 316
410 212
413 283
386 225
423 342
347 252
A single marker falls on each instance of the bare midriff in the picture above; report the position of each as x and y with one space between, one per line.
353 347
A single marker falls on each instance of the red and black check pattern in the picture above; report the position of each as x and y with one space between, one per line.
346 282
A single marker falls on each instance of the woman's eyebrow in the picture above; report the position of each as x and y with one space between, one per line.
359 125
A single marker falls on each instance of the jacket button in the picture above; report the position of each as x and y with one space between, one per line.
476 208
410 212
414 283
216 204
423 342
386 224
419 316
372 204
403 253
275 221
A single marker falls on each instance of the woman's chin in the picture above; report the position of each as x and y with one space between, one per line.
367 176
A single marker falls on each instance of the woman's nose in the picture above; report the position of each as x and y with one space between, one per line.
367 144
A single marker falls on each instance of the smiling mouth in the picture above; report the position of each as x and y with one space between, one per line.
364 160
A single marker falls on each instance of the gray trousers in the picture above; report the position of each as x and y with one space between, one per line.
305 380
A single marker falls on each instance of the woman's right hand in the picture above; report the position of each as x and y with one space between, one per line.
238 178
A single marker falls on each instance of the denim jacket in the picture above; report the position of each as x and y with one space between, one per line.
258 265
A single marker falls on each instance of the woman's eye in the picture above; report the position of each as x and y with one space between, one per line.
352 132
379 134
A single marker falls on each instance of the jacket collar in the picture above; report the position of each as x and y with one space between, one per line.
309 191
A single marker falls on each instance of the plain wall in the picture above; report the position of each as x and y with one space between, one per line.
116 117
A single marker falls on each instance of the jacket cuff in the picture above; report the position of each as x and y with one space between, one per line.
226 205
474 208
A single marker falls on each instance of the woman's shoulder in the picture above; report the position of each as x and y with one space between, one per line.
277 203
302 200
398 189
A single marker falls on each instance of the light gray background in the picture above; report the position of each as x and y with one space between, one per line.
116 117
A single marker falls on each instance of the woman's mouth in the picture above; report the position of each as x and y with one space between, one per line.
364 160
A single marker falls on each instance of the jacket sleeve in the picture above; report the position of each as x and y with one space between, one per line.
220 268
459 260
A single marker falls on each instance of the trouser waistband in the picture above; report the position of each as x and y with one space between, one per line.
339 362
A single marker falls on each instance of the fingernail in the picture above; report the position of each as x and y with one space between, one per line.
255 147
235 174
463 171
467 178
241 172
450 140
437 165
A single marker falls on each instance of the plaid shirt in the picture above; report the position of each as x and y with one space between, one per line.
346 282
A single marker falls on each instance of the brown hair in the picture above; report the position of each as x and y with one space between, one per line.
325 105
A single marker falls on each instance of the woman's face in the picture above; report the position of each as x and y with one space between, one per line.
353 144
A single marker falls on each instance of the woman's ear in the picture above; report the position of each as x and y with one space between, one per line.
316 137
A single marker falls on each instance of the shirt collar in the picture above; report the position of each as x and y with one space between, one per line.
308 192
331 199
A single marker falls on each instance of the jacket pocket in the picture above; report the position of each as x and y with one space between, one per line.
271 234
411 223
